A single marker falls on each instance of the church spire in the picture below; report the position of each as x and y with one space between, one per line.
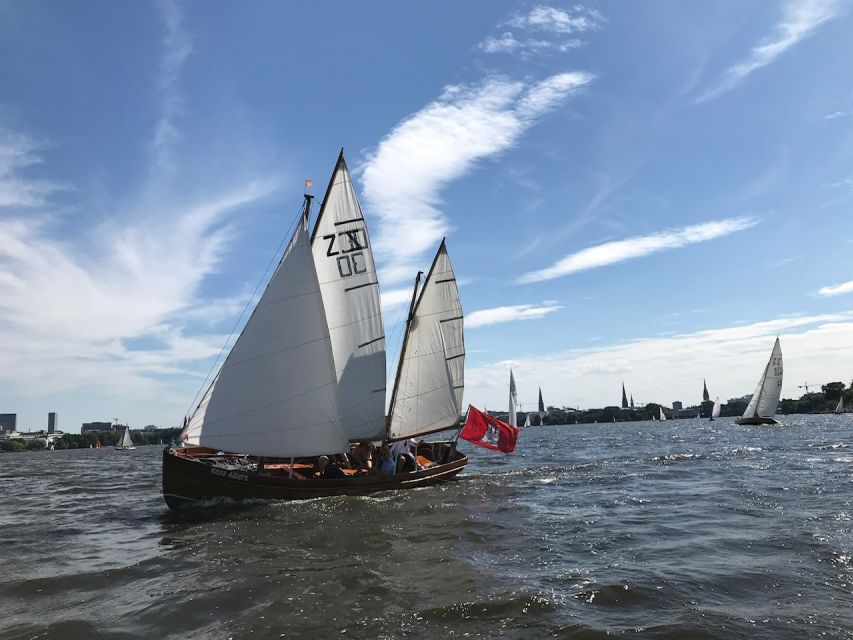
541 404
705 395
624 397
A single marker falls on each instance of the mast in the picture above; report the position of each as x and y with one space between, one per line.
402 355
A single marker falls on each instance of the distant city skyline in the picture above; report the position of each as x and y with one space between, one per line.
647 193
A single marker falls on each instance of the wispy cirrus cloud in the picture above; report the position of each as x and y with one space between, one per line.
510 313
666 368
800 19
836 290
609 253
441 143
177 47
543 29
17 154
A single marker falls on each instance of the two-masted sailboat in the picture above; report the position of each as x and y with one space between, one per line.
306 377
762 406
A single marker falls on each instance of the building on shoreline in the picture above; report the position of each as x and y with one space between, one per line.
52 422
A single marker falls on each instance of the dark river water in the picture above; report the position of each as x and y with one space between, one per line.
687 529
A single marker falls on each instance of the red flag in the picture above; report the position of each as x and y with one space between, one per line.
308 184
485 431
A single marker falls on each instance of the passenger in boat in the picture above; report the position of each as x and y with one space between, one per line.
404 452
387 464
328 469
362 456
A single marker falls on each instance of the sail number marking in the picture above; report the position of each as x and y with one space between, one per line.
347 247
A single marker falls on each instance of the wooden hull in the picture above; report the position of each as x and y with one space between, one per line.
189 478
755 421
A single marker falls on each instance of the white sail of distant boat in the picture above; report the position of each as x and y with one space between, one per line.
427 395
527 420
715 412
350 290
662 414
840 406
654 417
762 406
614 418
513 401
126 444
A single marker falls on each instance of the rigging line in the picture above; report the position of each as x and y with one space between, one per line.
287 235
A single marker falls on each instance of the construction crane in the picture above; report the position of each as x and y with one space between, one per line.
806 386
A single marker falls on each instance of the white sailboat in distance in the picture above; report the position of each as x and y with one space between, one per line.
839 408
126 444
762 406
715 412
513 402
662 414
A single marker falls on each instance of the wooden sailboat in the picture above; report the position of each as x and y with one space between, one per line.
715 412
762 406
125 444
306 377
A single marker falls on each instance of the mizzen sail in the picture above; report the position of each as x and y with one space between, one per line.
430 381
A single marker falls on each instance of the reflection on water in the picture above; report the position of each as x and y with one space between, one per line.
686 529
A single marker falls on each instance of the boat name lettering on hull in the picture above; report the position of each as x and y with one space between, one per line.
231 475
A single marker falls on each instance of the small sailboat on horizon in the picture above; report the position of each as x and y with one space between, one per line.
662 414
715 412
839 408
762 406
126 444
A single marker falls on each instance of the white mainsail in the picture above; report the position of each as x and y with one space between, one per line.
125 439
766 396
347 275
527 420
428 394
715 412
513 402
277 392
839 408
662 414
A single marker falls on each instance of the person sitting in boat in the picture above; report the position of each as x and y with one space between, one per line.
362 456
404 452
387 464
328 469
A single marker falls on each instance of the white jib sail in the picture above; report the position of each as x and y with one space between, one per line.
347 275
662 414
513 402
766 397
715 412
276 394
428 397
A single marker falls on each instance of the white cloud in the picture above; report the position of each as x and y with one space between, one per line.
836 114
618 251
837 290
177 47
544 18
800 19
441 143
17 154
511 313
663 369
508 43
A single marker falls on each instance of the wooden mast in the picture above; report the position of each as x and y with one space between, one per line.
402 355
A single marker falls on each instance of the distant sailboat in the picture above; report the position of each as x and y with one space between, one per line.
840 407
662 414
614 418
715 412
527 420
126 443
762 407
97 443
654 417
513 402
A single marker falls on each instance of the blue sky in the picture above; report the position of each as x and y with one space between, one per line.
646 192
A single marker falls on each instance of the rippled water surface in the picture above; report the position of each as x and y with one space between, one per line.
688 529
